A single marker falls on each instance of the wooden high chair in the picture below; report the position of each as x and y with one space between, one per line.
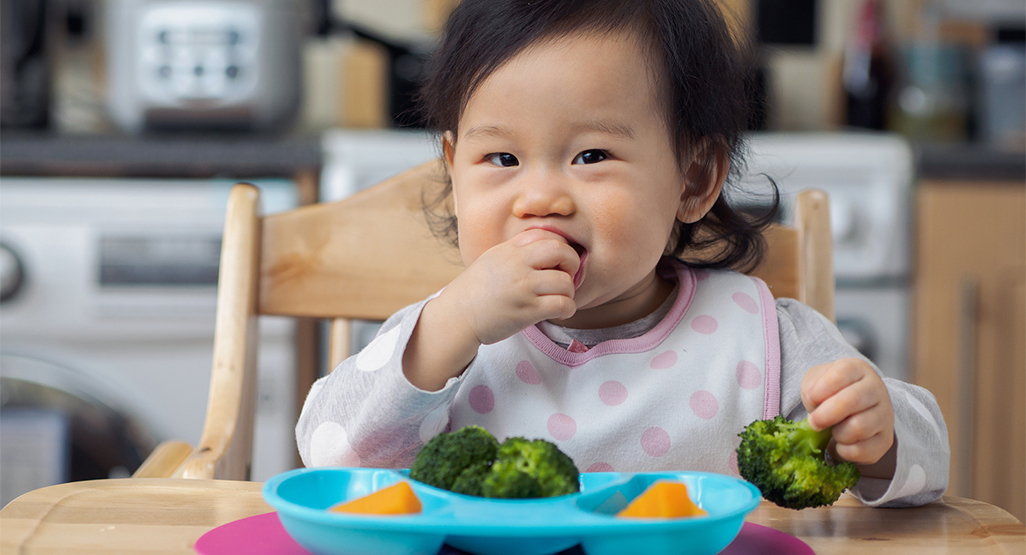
366 257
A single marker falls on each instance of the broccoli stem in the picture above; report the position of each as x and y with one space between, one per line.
808 441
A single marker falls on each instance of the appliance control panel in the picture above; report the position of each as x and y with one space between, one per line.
869 181
190 51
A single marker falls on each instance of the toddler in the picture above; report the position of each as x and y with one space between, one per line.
588 142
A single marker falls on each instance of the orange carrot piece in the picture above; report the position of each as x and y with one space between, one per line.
397 499
662 500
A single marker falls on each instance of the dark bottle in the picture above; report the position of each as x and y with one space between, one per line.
868 71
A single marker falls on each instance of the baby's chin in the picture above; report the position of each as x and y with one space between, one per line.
602 309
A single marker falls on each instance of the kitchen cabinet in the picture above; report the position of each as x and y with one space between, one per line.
969 334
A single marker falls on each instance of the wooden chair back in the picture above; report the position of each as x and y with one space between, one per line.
366 257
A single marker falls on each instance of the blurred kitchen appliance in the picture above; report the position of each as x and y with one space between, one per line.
1003 95
869 179
114 316
203 64
24 64
355 160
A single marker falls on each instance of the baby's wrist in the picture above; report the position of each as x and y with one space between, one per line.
437 350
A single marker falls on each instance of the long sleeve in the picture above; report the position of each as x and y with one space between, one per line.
921 475
366 413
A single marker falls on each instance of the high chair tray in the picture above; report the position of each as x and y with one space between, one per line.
505 526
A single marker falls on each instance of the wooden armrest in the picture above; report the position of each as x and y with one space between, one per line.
204 464
164 461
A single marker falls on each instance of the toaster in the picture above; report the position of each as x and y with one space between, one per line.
203 64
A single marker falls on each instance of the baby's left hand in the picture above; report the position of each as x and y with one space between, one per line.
848 395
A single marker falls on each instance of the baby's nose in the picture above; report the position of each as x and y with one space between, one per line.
545 195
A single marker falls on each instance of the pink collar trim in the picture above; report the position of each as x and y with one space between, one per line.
652 338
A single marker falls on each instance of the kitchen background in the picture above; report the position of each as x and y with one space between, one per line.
125 122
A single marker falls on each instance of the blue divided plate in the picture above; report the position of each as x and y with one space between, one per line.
505 526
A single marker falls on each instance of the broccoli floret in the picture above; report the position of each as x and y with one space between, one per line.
442 459
471 461
786 461
541 460
471 480
505 480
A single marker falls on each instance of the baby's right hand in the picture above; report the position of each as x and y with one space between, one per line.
516 284
509 287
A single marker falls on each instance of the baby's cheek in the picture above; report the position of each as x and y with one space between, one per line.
636 233
476 235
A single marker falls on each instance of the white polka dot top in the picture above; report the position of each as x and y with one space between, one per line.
674 398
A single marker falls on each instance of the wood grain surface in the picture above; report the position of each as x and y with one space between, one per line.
167 516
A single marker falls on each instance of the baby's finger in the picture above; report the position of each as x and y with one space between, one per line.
867 451
552 254
833 377
861 426
810 378
552 282
853 399
556 306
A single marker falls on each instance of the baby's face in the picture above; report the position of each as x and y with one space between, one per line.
569 136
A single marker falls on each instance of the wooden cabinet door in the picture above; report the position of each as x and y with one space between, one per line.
969 337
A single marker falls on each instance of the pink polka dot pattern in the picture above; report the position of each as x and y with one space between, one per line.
746 302
527 373
704 324
748 375
561 426
732 463
481 399
612 393
701 275
704 404
664 360
655 442
600 467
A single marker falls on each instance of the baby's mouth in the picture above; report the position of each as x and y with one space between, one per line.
583 254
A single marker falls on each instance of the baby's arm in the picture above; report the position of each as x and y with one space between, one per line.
511 286
365 413
377 408
921 454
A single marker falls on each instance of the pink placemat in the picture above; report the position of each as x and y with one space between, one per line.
264 535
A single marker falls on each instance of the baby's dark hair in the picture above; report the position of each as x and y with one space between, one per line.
705 74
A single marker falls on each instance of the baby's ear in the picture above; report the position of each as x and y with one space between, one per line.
448 154
703 179
448 148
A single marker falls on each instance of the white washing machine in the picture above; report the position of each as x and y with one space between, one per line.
869 178
108 303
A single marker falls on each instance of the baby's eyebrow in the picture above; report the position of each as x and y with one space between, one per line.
487 131
478 131
609 127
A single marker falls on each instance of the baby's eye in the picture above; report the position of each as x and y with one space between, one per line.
591 156
503 159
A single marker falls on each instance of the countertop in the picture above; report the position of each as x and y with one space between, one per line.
968 161
241 155
167 516
170 155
